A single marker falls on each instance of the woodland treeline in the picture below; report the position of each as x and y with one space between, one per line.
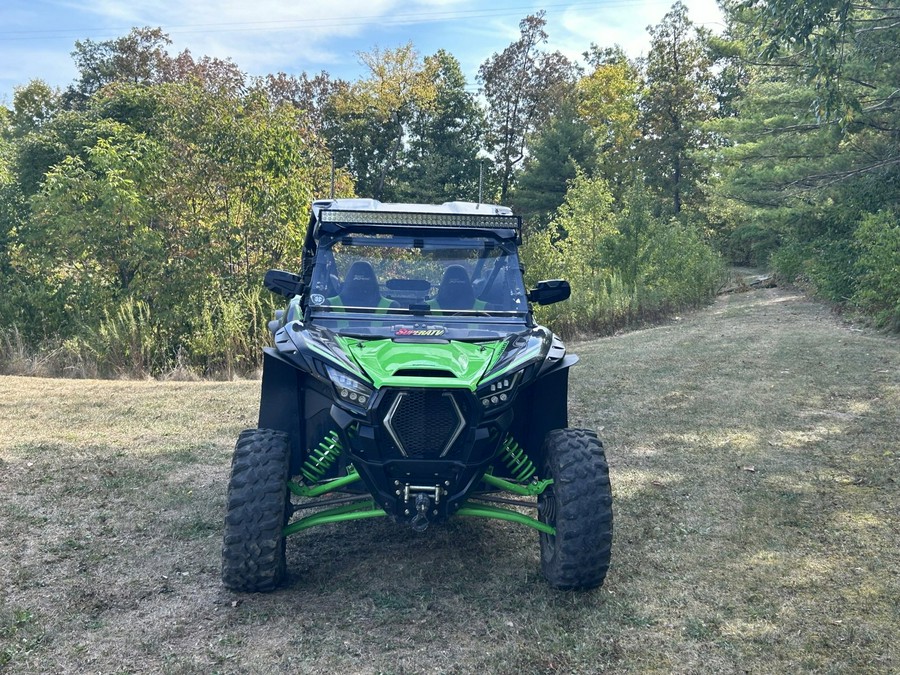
141 205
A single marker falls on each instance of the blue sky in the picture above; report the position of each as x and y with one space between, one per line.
267 36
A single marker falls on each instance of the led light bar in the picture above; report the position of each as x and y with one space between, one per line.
415 219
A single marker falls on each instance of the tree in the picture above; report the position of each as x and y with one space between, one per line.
523 86
91 234
150 202
369 124
34 105
13 211
213 74
849 54
315 96
441 159
143 218
813 165
139 57
826 38
556 155
676 100
624 263
609 101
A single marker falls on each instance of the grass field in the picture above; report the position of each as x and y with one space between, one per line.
754 457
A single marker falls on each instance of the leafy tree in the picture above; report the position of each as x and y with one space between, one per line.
155 200
523 86
371 122
37 152
91 235
441 161
624 263
14 300
609 102
813 164
676 100
877 240
34 105
316 95
609 96
556 154
139 57
240 182
212 74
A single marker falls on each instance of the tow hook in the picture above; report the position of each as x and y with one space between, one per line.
419 522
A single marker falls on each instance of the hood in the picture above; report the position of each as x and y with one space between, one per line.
423 364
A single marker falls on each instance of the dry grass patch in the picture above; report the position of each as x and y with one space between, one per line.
754 463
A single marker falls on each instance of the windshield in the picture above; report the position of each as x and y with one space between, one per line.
397 285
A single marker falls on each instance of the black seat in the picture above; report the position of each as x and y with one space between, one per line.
455 291
360 287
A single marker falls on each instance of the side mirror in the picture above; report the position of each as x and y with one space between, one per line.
283 283
550 291
275 323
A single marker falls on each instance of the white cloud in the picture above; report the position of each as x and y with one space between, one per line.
625 24
706 13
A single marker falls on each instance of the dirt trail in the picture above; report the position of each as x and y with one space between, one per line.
754 461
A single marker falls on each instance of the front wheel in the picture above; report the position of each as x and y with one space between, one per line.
579 506
257 510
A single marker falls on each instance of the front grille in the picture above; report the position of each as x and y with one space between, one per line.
424 422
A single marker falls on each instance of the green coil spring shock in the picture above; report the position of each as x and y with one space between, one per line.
518 463
322 457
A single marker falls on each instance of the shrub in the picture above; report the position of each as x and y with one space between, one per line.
625 265
789 261
877 242
128 342
750 244
230 331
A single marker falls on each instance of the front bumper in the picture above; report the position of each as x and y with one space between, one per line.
426 464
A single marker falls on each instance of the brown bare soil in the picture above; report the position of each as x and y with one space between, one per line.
754 459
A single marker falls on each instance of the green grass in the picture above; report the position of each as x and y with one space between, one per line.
754 459
20 634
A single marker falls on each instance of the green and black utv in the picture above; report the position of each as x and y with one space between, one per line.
408 379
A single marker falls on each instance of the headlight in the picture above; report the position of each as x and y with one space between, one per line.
499 391
348 388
